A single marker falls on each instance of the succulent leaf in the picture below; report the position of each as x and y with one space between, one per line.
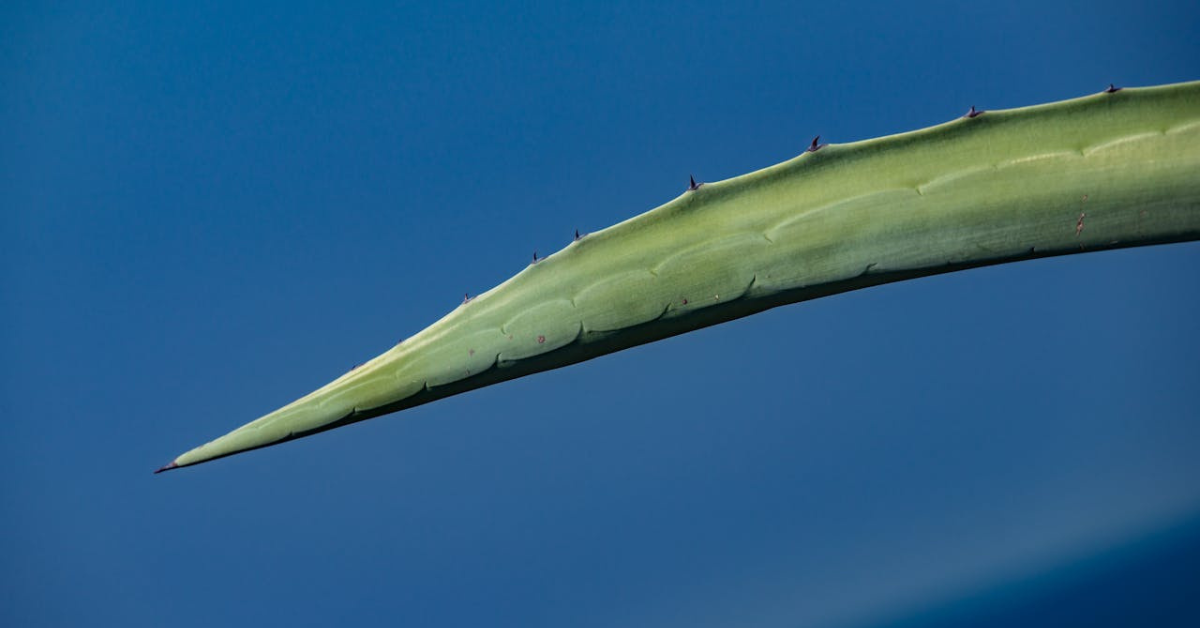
1116 169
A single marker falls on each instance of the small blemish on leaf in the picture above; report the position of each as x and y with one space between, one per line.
541 339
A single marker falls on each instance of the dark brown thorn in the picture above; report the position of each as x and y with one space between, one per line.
466 297
815 146
577 236
692 185
167 467
972 112
1112 89
535 259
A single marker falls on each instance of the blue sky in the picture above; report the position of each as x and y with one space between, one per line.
210 210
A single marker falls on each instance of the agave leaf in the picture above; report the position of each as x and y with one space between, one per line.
1116 169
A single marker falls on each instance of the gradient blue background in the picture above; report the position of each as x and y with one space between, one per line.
209 211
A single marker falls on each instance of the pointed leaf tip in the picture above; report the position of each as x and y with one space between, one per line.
167 467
